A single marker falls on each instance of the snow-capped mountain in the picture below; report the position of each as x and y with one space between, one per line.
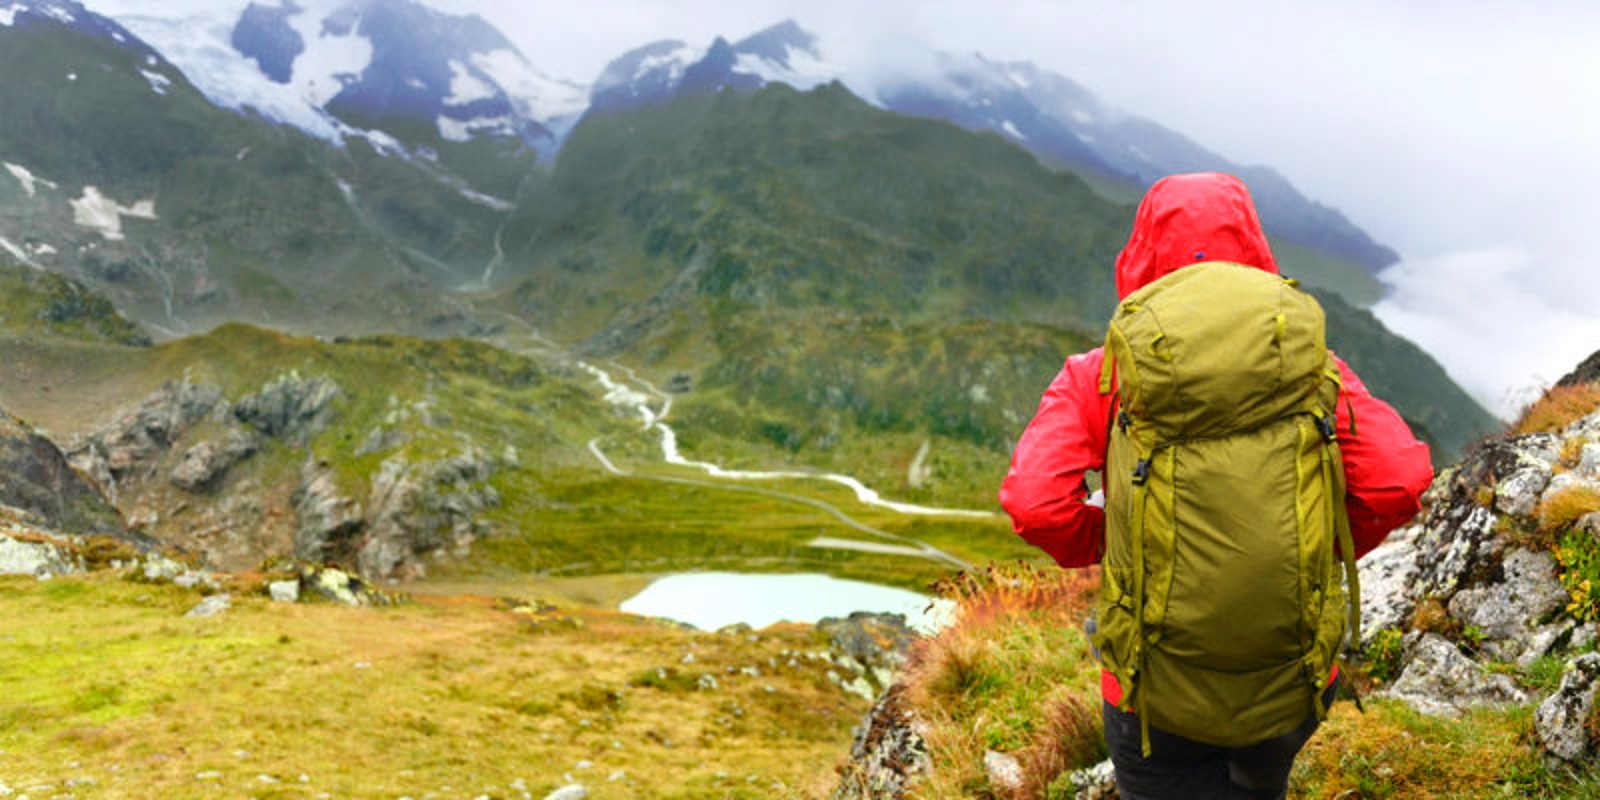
1058 120
392 71
783 53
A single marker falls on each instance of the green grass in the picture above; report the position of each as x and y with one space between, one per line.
115 686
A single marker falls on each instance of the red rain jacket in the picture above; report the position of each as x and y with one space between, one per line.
1184 220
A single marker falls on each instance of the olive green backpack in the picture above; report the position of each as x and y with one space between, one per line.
1221 611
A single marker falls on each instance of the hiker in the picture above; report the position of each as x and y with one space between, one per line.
1226 436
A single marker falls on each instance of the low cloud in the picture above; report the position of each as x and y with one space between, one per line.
1485 316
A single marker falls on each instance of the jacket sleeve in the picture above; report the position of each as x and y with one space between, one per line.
1044 490
1386 469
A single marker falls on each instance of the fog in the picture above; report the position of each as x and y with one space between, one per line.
1459 133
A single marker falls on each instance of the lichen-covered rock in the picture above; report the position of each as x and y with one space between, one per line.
39 559
1562 719
211 606
341 587
1509 612
284 591
1387 574
1519 492
290 407
1440 681
203 465
1098 782
888 752
1458 544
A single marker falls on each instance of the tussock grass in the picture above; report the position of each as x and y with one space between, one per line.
1014 674
1559 407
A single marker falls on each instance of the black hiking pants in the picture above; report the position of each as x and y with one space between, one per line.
1184 769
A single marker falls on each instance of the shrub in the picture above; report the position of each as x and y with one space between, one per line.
1579 557
1383 655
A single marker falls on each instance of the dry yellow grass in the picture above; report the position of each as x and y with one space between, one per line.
1559 407
106 681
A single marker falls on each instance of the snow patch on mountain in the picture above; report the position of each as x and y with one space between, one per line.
330 59
799 68
1011 129
463 130
199 47
535 95
29 181
158 82
15 251
8 15
96 211
465 87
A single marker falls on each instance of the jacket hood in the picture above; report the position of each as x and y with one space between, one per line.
1188 219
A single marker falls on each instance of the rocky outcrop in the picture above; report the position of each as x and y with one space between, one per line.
872 645
1507 612
328 525
131 446
41 559
425 509
37 480
290 407
1587 372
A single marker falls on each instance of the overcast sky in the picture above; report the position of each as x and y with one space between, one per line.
1461 133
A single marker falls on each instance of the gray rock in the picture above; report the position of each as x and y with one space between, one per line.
327 524
211 606
572 791
1589 460
1098 782
1583 636
1519 493
1386 577
1005 774
34 558
1589 523
129 447
290 407
1508 612
284 591
424 508
1440 681
1458 543
1561 719
1541 643
160 569
869 643
37 479
203 465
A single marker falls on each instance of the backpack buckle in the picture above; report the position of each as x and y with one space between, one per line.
1141 472
1326 427
1123 420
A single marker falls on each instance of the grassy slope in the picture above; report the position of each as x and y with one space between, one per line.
106 680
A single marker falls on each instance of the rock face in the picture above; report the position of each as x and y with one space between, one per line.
420 509
1508 612
37 480
1562 721
203 465
130 447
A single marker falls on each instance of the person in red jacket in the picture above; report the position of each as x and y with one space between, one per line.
1184 220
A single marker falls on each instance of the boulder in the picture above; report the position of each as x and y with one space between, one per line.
1005 774
1562 721
211 606
1098 782
1510 611
284 591
39 559
572 791
1440 681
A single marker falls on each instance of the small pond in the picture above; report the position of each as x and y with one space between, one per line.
711 600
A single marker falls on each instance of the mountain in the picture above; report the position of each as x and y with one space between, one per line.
822 266
118 173
1055 118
